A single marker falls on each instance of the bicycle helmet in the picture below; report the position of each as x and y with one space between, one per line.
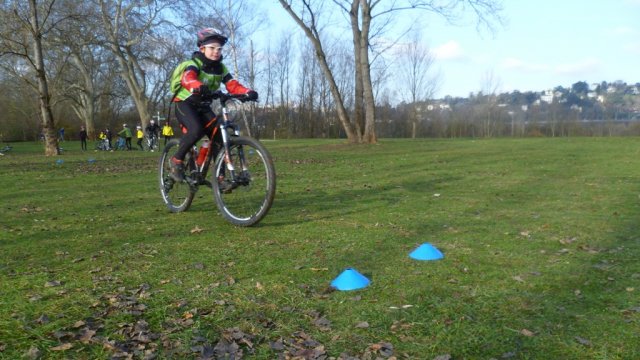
209 35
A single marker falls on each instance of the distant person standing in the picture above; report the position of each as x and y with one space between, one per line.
167 132
109 135
83 138
140 136
61 134
126 134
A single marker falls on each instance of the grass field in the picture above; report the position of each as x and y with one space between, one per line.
540 239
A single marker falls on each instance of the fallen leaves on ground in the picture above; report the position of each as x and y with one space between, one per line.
53 283
527 333
362 325
33 353
384 349
62 347
299 346
583 341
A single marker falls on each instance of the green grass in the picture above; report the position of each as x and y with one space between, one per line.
541 241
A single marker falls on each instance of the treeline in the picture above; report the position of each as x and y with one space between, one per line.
105 63
602 109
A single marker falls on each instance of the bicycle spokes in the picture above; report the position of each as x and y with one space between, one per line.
252 182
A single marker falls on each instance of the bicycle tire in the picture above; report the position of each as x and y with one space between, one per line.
176 195
251 198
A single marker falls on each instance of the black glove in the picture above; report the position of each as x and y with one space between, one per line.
205 93
252 95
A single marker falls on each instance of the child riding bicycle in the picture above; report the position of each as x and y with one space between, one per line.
193 83
152 131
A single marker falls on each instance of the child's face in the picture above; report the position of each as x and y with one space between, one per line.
212 51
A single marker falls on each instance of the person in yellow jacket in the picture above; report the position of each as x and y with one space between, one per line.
167 132
140 136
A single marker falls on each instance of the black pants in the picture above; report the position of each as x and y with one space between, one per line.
166 138
128 142
198 120
140 143
83 144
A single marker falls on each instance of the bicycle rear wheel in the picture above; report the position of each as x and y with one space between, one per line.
253 189
176 195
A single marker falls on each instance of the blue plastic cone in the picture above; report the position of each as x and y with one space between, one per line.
350 279
426 251
59 162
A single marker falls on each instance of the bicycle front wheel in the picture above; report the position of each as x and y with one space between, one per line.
245 196
176 195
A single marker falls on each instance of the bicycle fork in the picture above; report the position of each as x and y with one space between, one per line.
225 127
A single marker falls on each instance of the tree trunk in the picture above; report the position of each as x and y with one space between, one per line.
136 90
358 98
130 70
313 36
48 126
369 135
85 110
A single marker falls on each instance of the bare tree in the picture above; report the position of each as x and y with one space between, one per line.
86 64
129 29
307 19
489 101
362 15
282 65
415 62
25 26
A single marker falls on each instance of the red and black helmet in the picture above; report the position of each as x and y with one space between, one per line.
209 35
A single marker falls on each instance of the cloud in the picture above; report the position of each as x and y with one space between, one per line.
623 30
585 66
450 50
633 48
521 65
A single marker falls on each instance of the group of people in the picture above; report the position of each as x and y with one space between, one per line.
125 137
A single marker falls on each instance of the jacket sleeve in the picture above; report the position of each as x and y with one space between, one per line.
233 86
189 79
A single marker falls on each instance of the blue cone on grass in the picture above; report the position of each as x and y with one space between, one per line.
59 162
426 251
350 279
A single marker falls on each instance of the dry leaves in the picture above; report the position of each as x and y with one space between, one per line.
52 283
527 333
362 325
383 349
583 341
299 346
62 347
322 323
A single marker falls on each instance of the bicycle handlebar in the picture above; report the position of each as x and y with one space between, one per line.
224 97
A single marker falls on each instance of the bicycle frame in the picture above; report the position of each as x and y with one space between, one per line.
227 126
244 165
